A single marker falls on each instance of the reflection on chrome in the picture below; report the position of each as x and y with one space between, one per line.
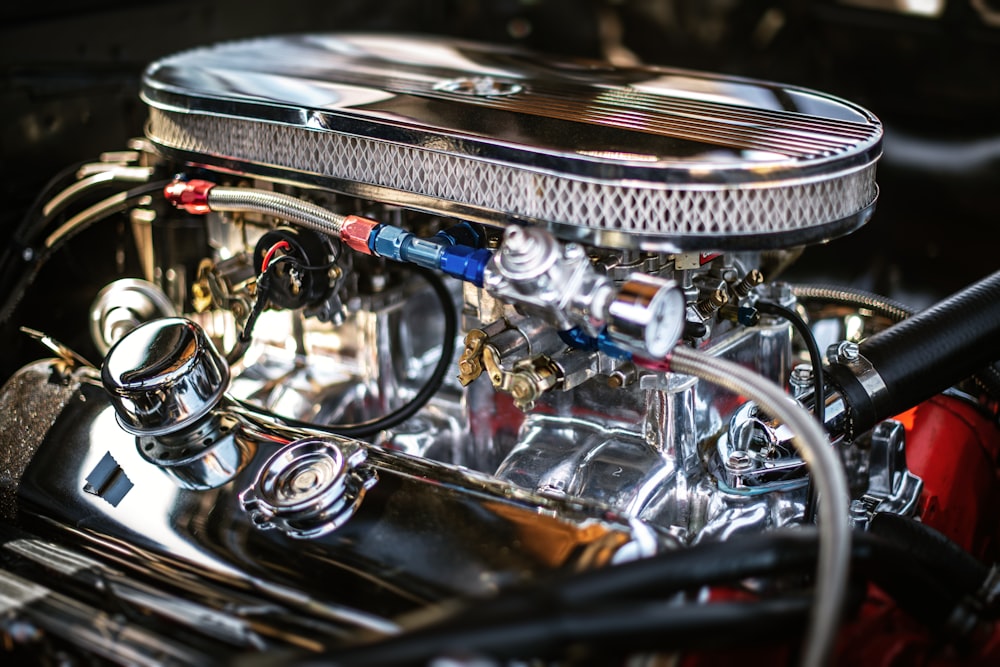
444 350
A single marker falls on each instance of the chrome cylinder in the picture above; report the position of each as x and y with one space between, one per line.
164 376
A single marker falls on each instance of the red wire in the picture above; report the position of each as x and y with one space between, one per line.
270 254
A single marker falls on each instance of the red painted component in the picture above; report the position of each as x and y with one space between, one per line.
954 448
192 196
883 635
355 233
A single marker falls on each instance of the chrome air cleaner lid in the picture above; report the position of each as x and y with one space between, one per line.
646 157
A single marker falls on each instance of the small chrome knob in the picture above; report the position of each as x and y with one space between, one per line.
164 376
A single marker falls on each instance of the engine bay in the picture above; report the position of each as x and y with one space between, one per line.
432 351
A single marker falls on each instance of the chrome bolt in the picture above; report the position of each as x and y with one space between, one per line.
844 352
739 460
858 515
780 292
801 379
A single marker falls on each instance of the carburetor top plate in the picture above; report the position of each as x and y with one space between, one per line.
642 157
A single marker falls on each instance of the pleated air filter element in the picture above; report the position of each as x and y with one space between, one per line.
646 157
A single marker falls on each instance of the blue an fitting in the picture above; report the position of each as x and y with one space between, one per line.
465 263
458 261
576 337
402 246
461 234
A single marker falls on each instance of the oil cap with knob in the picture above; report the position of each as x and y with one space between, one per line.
164 376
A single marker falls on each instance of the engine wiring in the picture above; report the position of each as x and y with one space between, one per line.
37 257
815 357
264 286
402 413
280 245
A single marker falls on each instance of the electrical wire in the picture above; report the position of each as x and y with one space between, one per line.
815 358
819 381
19 252
828 475
426 392
280 245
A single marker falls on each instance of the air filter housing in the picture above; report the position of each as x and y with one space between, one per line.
646 157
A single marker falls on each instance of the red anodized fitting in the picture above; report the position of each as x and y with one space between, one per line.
356 232
192 196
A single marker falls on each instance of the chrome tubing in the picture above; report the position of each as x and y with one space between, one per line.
286 207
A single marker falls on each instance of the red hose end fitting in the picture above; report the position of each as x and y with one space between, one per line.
356 232
192 196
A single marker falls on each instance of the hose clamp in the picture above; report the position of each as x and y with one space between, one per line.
848 355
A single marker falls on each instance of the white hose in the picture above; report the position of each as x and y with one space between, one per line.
828 477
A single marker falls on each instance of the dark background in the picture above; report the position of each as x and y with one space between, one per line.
69 74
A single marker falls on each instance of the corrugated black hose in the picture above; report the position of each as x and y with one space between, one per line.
927 353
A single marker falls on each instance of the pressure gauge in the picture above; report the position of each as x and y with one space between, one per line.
647 315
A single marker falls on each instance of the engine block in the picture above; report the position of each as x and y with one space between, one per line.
423 324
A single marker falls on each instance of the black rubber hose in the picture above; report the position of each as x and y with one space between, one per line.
611 628
426 392
886 562
622 606
929 352
934 550
786 553
988 378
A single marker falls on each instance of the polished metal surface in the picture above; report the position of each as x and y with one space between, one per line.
204 456
891 485
847 354
164 376
645 157
549 279
426 531
310 487
644 448
122 306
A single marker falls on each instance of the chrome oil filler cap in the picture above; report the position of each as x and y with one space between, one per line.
164 376
309 487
